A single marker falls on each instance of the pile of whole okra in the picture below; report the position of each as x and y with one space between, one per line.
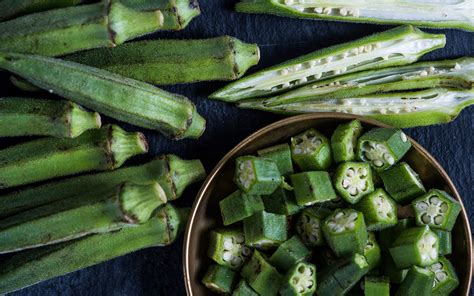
79 52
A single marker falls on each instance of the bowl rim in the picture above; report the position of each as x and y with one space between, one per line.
323 115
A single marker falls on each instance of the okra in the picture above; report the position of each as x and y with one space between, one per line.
23 85
376 286
281 155
402 183
14 8
415 246
390 270
219 279
33 266
325 257
383 147
345 232
445 277
289 254
344 141
300 280
418 281
243 289
399 46
265 230
445 241
47 158
440 14
333 204
33 117
164 62
67 30
379 209
281 201
312 187
388 235
437 209
309 226
256 175
227 248
353 181
311 151
238 206
372 251
261 275
110 94
172 173
130 205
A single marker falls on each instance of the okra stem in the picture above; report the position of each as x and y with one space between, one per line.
33 117
14 8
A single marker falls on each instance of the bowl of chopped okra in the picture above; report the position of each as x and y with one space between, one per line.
328 204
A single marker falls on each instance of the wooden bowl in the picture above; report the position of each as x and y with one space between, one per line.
205 214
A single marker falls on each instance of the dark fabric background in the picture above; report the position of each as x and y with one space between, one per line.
158 271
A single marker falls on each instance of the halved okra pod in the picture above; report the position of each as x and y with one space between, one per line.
281 155
444 14
376 286
47 158
445 241
402 183
345 232
300 280
14 8
281 201
344 141
445 277
437 209
265 230
312 187
243 289
256 175
226 248
67 30
398 46
379 209
353 181
415 246
33 266
238 206
309 225
289 253
33 117
261 275
311 151
418 281
372 251
219 279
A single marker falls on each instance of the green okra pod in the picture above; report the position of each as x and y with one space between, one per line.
33 117
418 281
67 30
47 158
445 277
23 85
398 46
14 8
110 94
33 266
430 14
219 279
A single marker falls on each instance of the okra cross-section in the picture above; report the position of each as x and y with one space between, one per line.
261 275
219 279
281 201
445 277
345 232
281 155
353 181
311 151
300 280
379 209
344 141
402 183
227 248
256 175
289 253
239 206
309 226
418 281
312 187
436 209
265 230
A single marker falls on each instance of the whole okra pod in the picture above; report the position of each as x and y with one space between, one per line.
110 94
14 8
47 158
175 61
399 46
33 117
432 14
67 30
33 266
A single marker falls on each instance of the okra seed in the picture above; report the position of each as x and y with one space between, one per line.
301 269
368 48
284 72
339 215
438 220
434 200
227 256
343 11
422 206
378 163
361 49
441 276
426 219
355 51
443 208
288 2
246 251
327 10
436 267
318 75
457 67
228 244
346 102
318 10
403 136
423 73
431 70
328 59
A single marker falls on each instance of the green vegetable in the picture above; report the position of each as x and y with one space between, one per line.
121 98
344 141
311 150
290 253
402 183
226 248
379 209
32 117
395 47
445 241
376 286
14 8
256 175
300 280
389 269
418 281
238 206
388 235
325 257
445 277
353 181
372 251
308 225
243 289
281 201
47 158
23 85
261 275
265 230
219 279
281 155
312 187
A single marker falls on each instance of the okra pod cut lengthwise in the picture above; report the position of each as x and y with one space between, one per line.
399 46
14 8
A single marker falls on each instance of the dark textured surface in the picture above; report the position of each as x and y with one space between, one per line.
158 271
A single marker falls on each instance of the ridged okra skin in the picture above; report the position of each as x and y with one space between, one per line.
309 225
445 241
312 188
265 230
447 14
344 141
311 151
281 155
376 286
372 251
14 8
281 201
261 275
238 206
379 209
110 94
256 175
32 117
164 62
445 277
402 183
418 281
399 46
388 235
219 279
67 30
33 266
353 181
103 149
243 289
290 253
390 270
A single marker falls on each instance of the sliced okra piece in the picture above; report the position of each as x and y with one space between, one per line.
445 277
389 269
402 183
418 281
300 280
256 175
437 209
227 248
265 230
219 279
445 241
388 235
243 289
309 226
415 246
281 155
261 275
353 181
379 209
289 253
376 286
282 202
336 203
345 232
312 187
383 147
311 151
372 251
238 206
344 141
324 257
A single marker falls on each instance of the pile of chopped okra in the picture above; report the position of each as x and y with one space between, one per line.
331 225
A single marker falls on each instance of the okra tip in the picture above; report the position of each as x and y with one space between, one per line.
82 120
186 11
246 56
184 173
196 128
125 145
138 202
176 219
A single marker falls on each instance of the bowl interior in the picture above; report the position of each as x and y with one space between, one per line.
205 214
